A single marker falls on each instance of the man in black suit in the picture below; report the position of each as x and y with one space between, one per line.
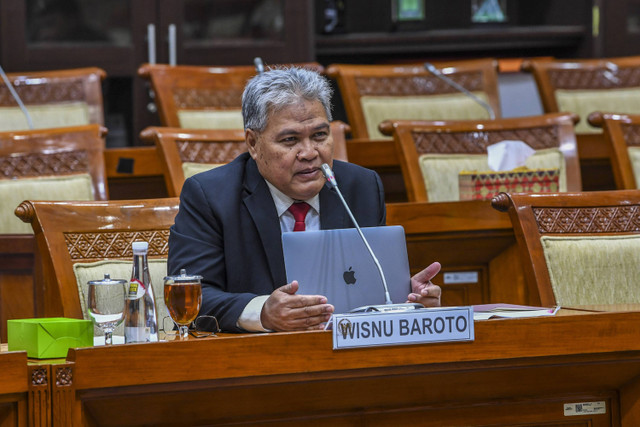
231 218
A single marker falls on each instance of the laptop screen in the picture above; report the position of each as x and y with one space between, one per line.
337 264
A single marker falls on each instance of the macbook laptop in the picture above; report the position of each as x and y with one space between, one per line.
337 264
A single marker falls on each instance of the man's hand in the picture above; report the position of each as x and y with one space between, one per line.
286 311
422 290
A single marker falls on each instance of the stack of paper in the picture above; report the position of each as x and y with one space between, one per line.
488 311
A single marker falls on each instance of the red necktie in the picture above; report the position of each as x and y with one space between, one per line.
299 211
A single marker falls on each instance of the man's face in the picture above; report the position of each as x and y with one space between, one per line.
290 151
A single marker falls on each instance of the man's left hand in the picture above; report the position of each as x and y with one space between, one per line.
422 290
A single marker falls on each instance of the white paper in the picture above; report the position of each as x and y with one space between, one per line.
509 154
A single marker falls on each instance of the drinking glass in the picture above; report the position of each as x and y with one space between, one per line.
183 297
105 304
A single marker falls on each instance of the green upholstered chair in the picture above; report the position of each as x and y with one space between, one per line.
58 98
64 163
375 93
433 153
81 241
578 248
622 134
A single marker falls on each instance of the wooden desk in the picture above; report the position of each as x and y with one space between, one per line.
13 389
468 237
518 371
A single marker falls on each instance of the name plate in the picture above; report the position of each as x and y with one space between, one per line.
428 325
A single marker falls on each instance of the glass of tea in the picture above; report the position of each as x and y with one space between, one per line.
183 297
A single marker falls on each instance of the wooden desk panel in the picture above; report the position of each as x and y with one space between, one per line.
519 371
466 236
13 389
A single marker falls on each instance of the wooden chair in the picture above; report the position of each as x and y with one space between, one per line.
57 98
583 86
622 134
578 248
433 153
65 163
81 241
374 93
185 152
200 97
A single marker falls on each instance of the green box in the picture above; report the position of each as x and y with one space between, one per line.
49 338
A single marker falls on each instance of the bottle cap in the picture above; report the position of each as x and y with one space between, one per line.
140 248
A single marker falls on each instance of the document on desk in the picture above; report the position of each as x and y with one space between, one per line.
511 311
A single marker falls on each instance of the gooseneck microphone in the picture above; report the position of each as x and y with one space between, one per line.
433 70
257 61
15 96
331 179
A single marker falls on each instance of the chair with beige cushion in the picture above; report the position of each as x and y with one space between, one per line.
374 93
578 248
65 163
185 152
81 241
583 86
201 97
433 153
622 134
58 98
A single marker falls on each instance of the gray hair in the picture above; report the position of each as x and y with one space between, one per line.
279 87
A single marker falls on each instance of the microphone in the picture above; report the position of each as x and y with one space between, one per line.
433 70
257 61
15 96
389 305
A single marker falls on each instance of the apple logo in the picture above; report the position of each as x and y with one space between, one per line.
349 277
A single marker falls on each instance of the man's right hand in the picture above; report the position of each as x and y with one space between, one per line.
286 311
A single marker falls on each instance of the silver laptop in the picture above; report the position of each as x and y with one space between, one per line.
337 264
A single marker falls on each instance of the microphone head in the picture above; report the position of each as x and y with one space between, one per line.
430 67
328 174
257 61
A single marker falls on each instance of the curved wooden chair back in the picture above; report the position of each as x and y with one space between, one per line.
374 93
72 234
185 152
583 86
201 97
578 248
57 98
462 139
64 163
622 134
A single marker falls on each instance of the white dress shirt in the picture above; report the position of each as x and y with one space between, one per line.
249 320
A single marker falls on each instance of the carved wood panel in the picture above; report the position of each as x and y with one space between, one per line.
595 79
603 219
208 152
48 92
412 85
115 244
199 98
631 134
476 142
39 406
42 164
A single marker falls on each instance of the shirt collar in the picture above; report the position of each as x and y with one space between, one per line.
282 201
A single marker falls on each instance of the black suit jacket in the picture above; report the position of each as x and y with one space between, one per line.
228 231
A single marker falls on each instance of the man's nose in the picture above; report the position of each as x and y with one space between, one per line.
307 151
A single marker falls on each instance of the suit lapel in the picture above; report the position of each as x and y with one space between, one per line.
260 204
332 213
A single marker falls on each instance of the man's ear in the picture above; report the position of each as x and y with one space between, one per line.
251 139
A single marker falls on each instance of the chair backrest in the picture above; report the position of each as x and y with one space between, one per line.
57 98
622 133
201 97
433 153
50 164
185 152
81 241
583 86
374 93
578 248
